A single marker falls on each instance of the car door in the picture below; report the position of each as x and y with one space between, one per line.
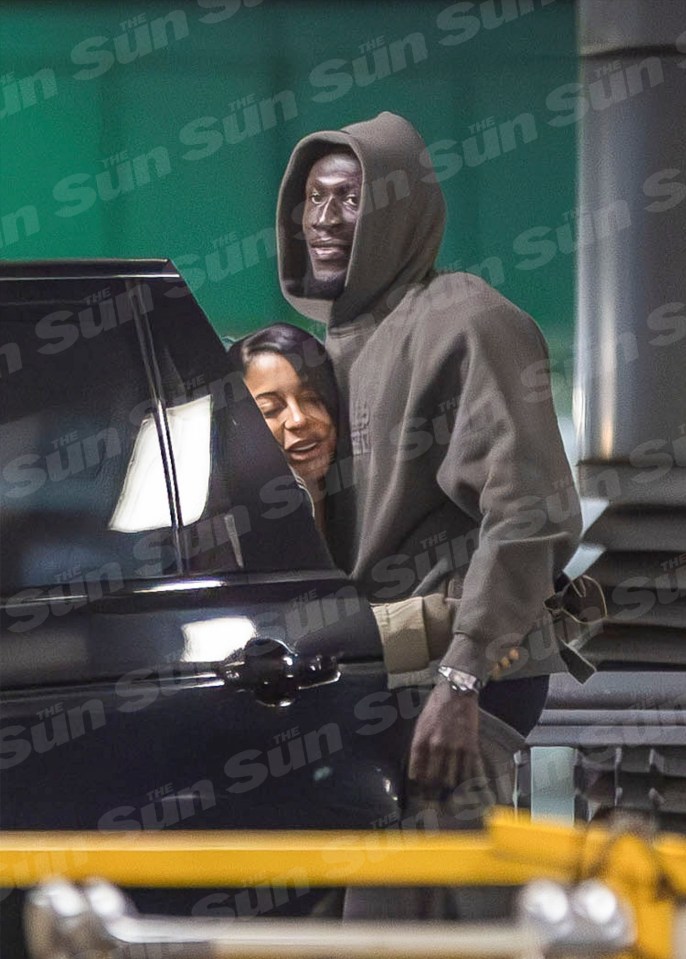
178 649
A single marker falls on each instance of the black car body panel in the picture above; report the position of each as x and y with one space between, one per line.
136 696
178 649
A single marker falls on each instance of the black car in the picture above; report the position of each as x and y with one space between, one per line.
178 649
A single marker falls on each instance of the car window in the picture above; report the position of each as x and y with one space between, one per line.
73 400
238 499
128 450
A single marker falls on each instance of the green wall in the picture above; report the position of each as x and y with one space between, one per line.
162 129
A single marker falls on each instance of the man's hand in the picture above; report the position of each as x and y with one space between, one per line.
445 745
511 657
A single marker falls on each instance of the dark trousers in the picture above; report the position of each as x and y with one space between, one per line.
518 702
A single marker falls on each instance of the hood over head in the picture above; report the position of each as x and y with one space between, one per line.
400 224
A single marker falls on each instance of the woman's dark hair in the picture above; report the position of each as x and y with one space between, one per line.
304 352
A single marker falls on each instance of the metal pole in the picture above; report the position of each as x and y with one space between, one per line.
630 390
63 921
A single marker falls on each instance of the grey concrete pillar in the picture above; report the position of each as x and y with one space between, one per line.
630 389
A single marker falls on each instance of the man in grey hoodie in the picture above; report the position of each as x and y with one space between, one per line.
455 480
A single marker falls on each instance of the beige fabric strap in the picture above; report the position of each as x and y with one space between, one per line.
403 634
414 632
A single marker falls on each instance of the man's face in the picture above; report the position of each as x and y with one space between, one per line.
332 206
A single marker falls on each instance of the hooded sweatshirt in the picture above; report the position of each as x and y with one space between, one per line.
452 477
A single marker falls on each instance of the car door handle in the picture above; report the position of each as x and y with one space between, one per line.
275 674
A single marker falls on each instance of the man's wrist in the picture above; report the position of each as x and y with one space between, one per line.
461 681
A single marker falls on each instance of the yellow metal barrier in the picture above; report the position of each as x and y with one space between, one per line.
649 876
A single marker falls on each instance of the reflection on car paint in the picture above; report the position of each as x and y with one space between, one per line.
211 640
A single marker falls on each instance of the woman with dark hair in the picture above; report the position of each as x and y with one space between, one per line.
290 376
291 379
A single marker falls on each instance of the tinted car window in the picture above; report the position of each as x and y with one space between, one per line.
238 503
127 449
71 406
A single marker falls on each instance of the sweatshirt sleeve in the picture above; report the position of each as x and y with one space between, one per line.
506 466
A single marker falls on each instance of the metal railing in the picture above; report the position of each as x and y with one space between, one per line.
647 876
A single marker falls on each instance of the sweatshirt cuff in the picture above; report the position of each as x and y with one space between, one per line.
468 655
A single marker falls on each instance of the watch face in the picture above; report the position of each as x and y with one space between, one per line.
461 682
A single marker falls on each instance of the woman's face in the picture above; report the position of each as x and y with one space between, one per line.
294 413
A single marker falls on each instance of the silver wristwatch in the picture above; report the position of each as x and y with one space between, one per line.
460 681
